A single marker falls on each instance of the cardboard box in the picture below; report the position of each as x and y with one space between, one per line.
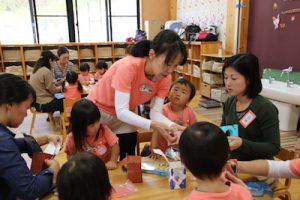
134 169
205 89
177 175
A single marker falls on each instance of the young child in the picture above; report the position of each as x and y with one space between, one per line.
182 91
84 177
89 135
73 89
101 68
85 77
204 151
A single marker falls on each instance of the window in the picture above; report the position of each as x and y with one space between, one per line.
123 19
15 23
63 21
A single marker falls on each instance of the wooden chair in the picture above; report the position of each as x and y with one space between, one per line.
142 136
281 191
65 116
34 113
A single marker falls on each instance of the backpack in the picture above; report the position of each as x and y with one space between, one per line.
191 32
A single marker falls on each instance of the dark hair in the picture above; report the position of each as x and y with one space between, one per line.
101 64
83 114
62 50
166 41
43 61
14 89
187 83
84 176
71 78
84 67
248 66
204 150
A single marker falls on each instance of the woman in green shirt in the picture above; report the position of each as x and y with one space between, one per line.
256 116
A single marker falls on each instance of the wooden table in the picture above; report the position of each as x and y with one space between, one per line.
153 187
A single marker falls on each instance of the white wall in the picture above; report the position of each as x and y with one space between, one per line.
204 13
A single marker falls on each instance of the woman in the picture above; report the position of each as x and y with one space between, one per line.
135 79
16 180
256 117
42 82
62 66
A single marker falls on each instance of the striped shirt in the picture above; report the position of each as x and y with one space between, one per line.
58 73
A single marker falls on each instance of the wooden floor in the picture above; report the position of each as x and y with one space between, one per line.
288 139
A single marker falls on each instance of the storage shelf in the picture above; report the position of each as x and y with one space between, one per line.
81 52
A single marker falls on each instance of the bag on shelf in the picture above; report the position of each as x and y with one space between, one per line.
191 32
140 35
210 33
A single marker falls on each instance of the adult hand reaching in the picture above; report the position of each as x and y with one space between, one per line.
164 130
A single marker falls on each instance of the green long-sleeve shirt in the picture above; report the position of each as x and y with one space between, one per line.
261 138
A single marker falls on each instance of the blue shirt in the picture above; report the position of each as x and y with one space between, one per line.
16 180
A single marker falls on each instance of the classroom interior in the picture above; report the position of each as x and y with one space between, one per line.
242 26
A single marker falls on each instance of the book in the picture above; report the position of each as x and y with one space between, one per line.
155 167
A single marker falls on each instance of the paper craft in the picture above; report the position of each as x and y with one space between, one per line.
178 134
258 189
177 175
155 167
159 152
38 158
122 190
231 130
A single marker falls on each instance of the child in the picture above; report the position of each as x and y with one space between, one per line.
73 90
89 135
84 177
182 91
204 151
85 78
101 68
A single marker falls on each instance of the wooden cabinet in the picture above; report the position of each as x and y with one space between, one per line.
20 59
192 69
212 81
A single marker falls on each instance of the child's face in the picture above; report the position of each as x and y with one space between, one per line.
92 129
180 94
85 73
101 71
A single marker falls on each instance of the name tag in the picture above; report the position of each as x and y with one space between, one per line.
247 119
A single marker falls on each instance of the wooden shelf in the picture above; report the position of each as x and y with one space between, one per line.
79 52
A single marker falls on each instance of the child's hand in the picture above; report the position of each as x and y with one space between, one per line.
55 139
164 130
236 142
111 165
234 179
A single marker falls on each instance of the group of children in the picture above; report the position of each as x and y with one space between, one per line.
72 87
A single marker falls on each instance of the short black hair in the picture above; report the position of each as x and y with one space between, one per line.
14 89
62 50
83 113
248 66
204 150
188 83
84 176
84 67
101 64
165 42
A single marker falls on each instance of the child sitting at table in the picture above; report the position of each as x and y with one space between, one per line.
85 77
91 136
101 68
84 177
182 91
204 151
72 88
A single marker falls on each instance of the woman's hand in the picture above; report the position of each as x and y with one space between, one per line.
234 179
55 139
176 127
111 165
164 130
236 142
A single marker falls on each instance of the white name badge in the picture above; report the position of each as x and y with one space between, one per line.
247 119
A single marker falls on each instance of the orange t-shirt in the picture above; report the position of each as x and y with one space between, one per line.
85 80
71 92
100 147
127 75
235 192
188 118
